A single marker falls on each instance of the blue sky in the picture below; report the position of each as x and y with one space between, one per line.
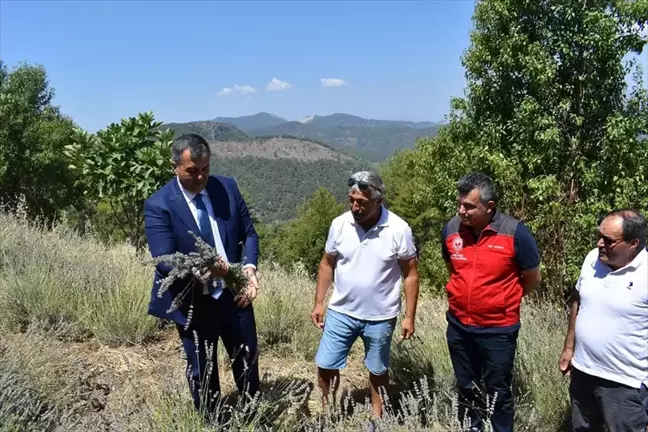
109 60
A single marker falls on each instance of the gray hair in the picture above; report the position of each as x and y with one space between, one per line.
197 145
373 179
634 225
480 181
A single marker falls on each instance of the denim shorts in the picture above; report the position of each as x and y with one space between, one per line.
341 331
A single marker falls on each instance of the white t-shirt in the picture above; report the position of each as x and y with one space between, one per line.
612 322
367 274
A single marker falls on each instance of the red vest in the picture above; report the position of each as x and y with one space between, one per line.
485 287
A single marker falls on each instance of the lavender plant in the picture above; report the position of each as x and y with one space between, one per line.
195 265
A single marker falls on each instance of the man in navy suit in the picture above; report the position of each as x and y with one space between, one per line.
212 207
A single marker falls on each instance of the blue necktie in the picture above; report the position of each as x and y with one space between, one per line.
208 235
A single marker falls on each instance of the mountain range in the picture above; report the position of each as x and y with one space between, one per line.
369 139
264 120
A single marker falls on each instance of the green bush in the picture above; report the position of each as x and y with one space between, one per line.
303 239
33 133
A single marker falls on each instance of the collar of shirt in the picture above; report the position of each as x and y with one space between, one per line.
382 222
189 196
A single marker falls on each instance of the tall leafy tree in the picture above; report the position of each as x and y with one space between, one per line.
33 133
549 114
303 239
122 165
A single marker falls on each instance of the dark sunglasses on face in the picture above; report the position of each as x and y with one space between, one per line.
362 185
609 243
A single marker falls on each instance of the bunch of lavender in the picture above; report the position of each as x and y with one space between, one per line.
192 264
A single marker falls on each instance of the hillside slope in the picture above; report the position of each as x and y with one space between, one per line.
211 131
255 121
277 186
375 143
370 139
278 148
279 174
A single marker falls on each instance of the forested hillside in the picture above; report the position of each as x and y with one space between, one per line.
277 187
211 131
375 143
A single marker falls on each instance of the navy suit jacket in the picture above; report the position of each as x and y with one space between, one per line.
168 220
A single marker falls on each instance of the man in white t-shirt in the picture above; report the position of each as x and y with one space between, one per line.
370 251
606 348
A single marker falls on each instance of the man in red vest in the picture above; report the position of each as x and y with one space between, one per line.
493 262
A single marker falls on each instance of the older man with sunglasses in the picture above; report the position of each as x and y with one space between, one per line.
606 348
368 253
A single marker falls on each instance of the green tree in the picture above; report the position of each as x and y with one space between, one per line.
303 239
121 166
33 133
548 114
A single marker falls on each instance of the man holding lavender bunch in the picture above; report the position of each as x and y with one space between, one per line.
212 208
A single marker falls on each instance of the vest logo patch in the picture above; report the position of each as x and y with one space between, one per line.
457 245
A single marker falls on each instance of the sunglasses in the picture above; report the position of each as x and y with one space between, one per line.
608 242
362 185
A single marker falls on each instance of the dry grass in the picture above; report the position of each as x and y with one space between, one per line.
77 284
84 354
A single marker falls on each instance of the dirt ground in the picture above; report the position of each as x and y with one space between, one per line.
105 386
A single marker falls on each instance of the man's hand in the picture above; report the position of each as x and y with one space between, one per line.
407 328
565 361
243 300
317 316
219 269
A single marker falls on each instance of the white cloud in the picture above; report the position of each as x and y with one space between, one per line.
237 89
332 82
277 85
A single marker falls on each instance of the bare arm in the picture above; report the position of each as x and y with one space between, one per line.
570 338
324 277
410 285
530 280
324 280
